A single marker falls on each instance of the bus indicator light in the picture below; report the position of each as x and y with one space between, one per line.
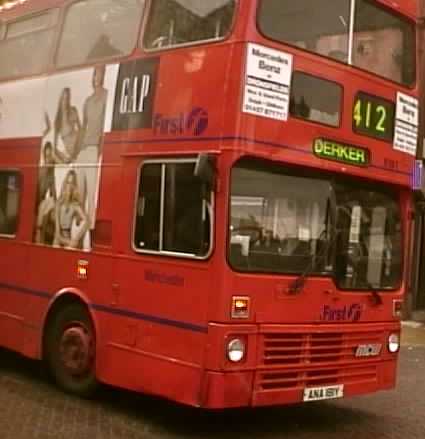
417 175
240 307
82 269
397 308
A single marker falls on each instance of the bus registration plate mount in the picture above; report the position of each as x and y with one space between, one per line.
322 393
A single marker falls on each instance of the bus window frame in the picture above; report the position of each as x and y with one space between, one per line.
383 187
56 27
19 175
408 20
291 170
209 41
48 11
349 63
295 170
165 253
341 110
104 60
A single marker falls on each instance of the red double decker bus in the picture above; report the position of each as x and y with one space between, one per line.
207 200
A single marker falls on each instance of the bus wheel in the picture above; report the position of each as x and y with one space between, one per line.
70 350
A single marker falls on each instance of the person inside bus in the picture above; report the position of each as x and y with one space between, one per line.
67 128
191 234
71 222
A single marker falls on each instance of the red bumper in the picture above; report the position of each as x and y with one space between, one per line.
284 360
243 389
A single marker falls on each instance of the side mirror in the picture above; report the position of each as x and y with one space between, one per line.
205 169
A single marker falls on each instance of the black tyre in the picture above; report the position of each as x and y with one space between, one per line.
70 347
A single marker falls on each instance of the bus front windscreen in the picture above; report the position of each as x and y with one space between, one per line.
286 223
367 36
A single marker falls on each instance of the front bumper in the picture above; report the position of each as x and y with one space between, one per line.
284 360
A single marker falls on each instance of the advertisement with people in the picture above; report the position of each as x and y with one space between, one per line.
78 110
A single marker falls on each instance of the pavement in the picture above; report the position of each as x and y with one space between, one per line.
413 333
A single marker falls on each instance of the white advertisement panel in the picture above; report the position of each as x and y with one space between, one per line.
406 124
267 82
21 108
77 110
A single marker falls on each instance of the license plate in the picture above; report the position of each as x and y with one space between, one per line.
321 393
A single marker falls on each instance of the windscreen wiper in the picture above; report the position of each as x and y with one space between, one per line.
297 285
376 297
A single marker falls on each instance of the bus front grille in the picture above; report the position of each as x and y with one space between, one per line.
289 349
281 380
320 356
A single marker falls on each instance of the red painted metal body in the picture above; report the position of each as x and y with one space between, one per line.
168 339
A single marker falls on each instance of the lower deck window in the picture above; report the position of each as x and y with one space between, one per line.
286 221
9 202
173 213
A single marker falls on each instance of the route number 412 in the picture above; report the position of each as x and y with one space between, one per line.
373 117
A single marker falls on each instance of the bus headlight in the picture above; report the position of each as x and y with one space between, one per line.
236 350
393 343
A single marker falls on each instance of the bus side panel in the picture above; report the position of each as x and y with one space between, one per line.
154 333
21 125
137 363
154 338
15 296
189 92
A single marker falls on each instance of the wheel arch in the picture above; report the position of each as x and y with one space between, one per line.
61 299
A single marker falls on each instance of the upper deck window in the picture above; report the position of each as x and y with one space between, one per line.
26 44
366 35
315 99
176 22
32 24
99 29
383 43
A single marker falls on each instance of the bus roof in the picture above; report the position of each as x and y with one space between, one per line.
21 7
16 8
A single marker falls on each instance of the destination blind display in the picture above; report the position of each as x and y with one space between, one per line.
373 117
330 150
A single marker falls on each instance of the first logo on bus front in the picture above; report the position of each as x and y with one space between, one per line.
194 122
351 313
